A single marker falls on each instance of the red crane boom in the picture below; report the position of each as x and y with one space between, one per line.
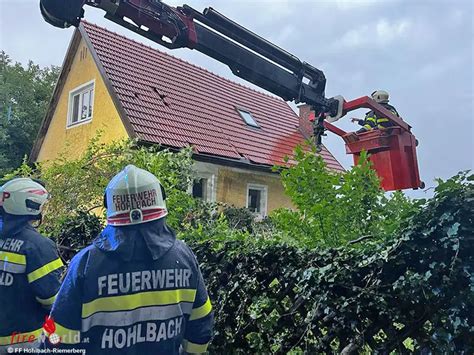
251 57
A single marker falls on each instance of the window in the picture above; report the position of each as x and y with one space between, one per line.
200 189
204 187
81 102
248 118
257 199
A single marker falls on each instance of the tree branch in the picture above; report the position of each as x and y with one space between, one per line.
364 237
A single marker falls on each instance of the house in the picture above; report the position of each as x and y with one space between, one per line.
127 89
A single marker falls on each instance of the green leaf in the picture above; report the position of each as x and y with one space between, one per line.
453 230
274 283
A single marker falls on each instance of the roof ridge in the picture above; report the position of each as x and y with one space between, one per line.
275 97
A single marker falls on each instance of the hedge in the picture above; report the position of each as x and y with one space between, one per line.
413 293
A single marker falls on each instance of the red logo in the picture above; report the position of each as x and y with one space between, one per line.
50 327
37 192
5 195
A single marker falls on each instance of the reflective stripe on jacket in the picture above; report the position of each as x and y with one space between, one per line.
29 280
136 290
372 120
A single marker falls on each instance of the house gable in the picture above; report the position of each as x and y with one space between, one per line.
56 135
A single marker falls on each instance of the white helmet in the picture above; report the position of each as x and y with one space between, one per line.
134 196
380 96
23 197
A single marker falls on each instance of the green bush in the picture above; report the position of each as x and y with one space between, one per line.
412 293
239 218
336 208
79 184
415 292
75 233
273 292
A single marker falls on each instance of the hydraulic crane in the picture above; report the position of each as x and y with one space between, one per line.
251 57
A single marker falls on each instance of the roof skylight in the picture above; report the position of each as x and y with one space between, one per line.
248 118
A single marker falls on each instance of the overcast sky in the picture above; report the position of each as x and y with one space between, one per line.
419 51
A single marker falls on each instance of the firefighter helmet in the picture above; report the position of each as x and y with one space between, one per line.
23 197
380 96
134 196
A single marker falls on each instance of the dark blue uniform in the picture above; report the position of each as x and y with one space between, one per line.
29 280
136 290
373 121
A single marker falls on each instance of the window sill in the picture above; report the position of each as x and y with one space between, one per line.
80 123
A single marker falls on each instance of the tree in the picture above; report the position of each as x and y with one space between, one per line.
338 208
77 185
25 93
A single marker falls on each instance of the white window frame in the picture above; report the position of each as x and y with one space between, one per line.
210 186
263 198
252 123
80 90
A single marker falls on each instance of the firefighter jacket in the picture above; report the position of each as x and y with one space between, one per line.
136 290
30 270
372 120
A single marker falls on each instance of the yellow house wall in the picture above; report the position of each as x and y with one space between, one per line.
74 140
232 188
231 183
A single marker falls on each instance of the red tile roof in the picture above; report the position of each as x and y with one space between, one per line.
174 103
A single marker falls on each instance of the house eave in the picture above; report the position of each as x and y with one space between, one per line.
219 160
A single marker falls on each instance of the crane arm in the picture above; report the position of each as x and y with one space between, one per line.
248 55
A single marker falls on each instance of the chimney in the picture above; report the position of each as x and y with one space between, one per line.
306 127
